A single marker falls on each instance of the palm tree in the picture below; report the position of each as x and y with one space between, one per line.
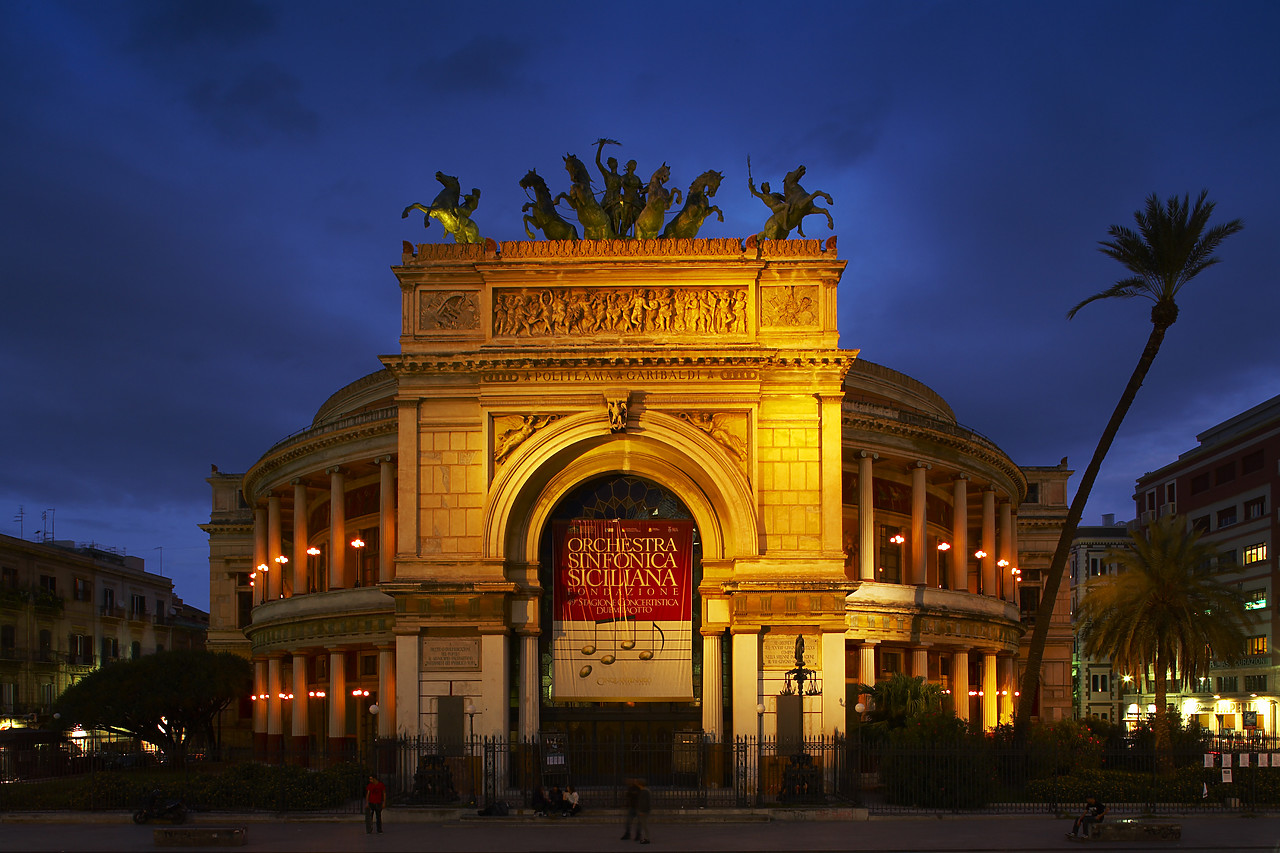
1170 247
1164 609
898 698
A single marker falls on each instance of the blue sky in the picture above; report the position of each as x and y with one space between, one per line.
202 203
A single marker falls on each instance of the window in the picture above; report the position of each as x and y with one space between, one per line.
890 663
8 577
1099 683
1257 645
46 694
244 608
8 695
137 605
81 589
1033 493
1255 508
1170 492
49 584
1255 553
1228 684
1255 683
110 649
135 650
368 664
8 638
80 650
46 646
1255 599
1227 560
1204 684
1224 473
1251 462
890 570
1201 524
108 600
1200 483
1226 517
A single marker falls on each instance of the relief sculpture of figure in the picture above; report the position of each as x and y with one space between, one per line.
591 216
514 437
649 222
452 212
618 415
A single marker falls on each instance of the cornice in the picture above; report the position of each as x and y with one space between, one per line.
714 248
406 363
306 447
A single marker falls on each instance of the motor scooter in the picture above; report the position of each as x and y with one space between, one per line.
171 809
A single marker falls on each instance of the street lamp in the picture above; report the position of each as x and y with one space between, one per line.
358 543
471 747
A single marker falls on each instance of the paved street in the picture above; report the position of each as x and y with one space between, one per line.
78 834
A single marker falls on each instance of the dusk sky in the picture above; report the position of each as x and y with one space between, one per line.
202 202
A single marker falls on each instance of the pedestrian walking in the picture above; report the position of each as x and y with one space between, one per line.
375 794
644 805
633 803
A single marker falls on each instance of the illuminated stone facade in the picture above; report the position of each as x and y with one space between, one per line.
682 379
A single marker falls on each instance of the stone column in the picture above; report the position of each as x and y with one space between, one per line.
260 688
831 471
920 661
408 711
867 662
1004 666
529 695
712 685
989 585
275 710
1006 551
386 519
337 701
337 529
300 730
919 570
746 679
386 691
261 578
960 683
990 692
960 534
495 685
866 518
300 585
833 678
275 586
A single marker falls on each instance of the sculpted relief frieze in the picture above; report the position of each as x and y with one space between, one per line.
545 312
793 305
448 311
727 430
510 431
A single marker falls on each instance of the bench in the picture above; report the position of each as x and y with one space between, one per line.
1136 830
199 836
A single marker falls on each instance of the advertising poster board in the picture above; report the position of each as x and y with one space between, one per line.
622 626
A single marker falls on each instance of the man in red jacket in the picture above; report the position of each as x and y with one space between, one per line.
375 794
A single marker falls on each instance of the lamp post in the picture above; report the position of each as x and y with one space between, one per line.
471 747
312 553
373 749
759 754
357 544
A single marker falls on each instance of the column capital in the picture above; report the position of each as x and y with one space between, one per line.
920 463
387 458
336 469
867 454
297 481
961 476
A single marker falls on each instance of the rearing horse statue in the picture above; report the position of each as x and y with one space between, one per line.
594 219
452 214
545 216
649 222
697 206
800 203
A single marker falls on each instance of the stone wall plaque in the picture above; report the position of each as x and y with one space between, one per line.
779 651
453 653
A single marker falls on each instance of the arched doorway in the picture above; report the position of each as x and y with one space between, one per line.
627 736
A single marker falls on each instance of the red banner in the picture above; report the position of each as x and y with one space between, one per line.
623 609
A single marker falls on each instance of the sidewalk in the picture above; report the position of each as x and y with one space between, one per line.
345 834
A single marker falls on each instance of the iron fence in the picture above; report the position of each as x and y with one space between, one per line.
684 772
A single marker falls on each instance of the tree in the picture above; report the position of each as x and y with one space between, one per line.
898 699
1170 247
162 699
1164 609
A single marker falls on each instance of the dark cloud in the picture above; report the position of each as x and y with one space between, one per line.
485 64
255 106
166 27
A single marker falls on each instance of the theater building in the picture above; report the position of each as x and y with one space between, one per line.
622 489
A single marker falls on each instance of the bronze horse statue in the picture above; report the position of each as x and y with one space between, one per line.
545 216
594 219
800 203
697 206
452 214
649 222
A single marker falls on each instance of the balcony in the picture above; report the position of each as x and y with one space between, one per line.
138 616
110 611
